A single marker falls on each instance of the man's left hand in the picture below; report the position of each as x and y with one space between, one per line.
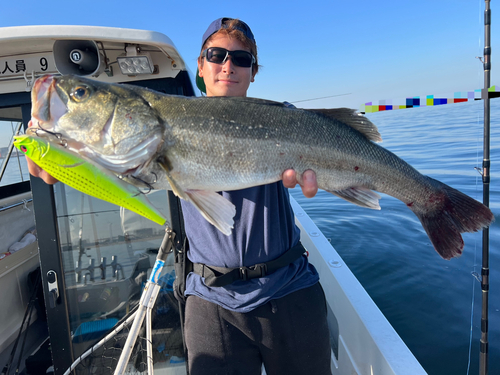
307 181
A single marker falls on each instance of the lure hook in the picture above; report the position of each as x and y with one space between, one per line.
62 141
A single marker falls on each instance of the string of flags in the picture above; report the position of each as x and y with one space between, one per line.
429 100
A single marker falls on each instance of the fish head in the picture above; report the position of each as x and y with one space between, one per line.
70 105
111 124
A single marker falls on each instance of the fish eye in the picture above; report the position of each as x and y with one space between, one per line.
80 93
23 148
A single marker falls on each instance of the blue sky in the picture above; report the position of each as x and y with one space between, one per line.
359 50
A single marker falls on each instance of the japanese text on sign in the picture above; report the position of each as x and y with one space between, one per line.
21 65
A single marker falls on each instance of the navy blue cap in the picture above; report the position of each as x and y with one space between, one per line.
221 23
212 29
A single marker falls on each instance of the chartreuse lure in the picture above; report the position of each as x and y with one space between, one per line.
85 176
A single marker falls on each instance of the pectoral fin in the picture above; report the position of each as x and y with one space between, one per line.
216 209
360 196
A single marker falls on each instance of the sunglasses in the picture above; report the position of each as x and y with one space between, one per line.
217 55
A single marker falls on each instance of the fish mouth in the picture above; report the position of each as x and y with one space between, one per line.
48 107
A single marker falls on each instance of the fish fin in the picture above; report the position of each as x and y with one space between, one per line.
216 209
354 119
176 188
360 196
452 213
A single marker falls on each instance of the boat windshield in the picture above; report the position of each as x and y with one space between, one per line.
107 254
14 169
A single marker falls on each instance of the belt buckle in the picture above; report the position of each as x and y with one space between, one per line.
257 270
244 273
262 267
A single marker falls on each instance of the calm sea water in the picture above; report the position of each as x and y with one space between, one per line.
428 300
12 173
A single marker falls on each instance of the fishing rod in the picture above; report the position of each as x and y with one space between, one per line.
485 271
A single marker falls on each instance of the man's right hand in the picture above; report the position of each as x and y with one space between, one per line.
36 171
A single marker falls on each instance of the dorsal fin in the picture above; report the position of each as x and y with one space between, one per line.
355 120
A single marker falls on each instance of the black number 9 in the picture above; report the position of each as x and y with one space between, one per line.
44 64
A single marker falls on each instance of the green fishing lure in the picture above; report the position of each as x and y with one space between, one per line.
85 176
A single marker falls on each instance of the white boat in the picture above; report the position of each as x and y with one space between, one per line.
94 257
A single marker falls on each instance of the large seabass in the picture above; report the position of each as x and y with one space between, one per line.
198 146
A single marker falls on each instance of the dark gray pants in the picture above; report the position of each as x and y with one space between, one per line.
289 335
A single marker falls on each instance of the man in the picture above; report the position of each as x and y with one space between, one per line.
278 319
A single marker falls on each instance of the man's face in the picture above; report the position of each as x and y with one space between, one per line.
225 79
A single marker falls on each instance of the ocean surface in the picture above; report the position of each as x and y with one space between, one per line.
432 303
16 169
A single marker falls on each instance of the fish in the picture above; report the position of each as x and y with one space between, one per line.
86 176
199 146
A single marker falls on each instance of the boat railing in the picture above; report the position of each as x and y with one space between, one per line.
363 341
23 202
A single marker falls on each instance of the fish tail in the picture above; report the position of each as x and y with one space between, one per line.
449 213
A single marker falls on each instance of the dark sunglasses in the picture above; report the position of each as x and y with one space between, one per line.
217 55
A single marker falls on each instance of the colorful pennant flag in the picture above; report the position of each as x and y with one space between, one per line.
428 100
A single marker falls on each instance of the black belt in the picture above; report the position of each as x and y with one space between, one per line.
220 276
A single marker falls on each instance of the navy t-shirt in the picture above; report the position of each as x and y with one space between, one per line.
264 228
